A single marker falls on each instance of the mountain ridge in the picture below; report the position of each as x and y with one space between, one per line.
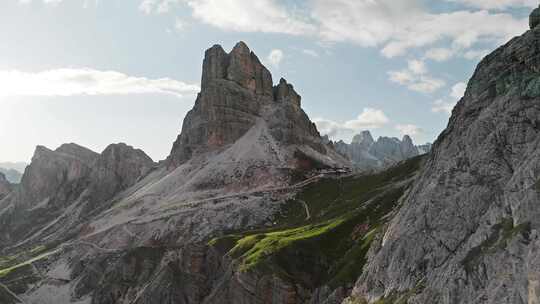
366 154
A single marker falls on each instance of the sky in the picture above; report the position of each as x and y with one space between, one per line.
97 72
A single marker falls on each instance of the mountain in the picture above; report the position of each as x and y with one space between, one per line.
13 171
111 227
12 175
18 166
468 228
367 154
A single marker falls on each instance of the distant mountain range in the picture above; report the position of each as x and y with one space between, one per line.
13 171
367 154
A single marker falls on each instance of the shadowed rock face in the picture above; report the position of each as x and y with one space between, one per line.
468 230
69 176
118 167
534 18
58 175
236 91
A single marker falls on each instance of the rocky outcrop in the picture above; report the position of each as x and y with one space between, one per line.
57 176
468 229
66 185
236 92
117 168
367 154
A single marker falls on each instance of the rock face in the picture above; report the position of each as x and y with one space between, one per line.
367 154
117 168
534 18
237 92
468 229
66 184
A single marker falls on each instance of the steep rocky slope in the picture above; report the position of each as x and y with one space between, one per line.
468 229
370 155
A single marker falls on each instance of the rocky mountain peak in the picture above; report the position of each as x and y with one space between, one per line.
237 93
534 18
364 139
78 151
241 66
118 167
284 92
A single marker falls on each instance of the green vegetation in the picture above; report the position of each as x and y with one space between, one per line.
330 247
5 271
498 238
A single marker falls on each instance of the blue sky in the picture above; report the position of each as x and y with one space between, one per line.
98 72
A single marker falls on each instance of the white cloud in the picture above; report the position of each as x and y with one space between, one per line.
394 26
157 6
399 25
462 28
249 16
311 53
180 25
439 54
458 90
417 67
275 57
70 82
476 54
415 77
365 22
329 127
447 105
369 119
44 1
441 106
497 4
409 129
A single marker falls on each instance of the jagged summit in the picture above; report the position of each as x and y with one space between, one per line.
367 154
237 93
240 66
364 138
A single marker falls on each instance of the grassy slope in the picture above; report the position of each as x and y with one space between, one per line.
330 248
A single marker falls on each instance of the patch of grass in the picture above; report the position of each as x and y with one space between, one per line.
350 266
330 248
5 271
